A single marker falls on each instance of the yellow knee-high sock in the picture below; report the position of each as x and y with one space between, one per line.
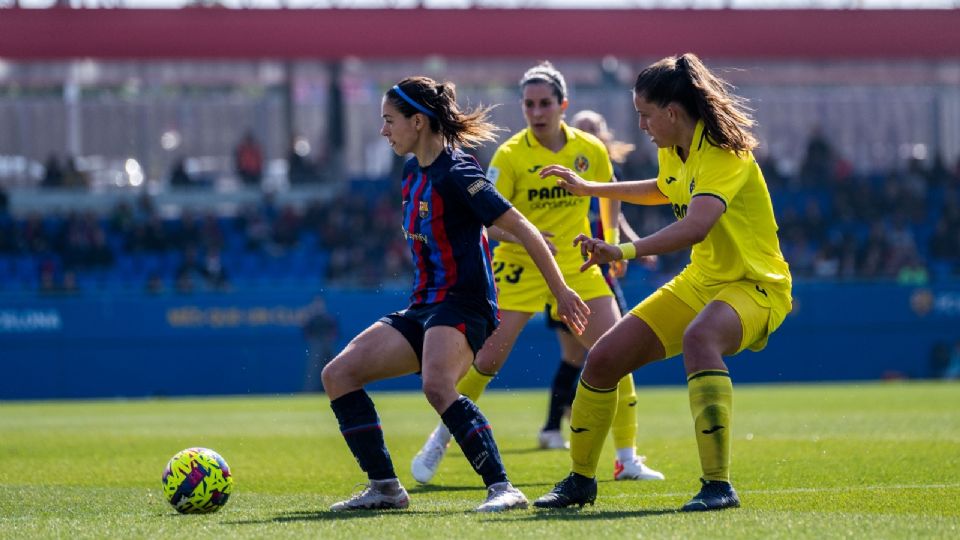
711 403
624 426
592 413
474 383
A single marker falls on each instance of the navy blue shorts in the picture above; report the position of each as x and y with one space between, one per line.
414 322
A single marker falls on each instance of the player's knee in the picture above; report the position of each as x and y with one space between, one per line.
488 365
696 341
600 369
439 392
329 375
337 373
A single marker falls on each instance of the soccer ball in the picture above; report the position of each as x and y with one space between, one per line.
197 481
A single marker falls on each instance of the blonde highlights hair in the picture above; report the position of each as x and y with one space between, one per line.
595 124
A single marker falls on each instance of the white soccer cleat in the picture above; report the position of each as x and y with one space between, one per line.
427 460
552 440
501 497
635 470
377 495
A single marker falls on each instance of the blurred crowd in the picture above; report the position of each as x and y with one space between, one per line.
351 240
836 224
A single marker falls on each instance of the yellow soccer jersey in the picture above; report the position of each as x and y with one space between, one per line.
515 169
743 243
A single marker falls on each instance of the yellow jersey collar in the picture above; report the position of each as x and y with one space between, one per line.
696 144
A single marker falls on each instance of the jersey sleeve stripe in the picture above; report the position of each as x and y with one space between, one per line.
714 195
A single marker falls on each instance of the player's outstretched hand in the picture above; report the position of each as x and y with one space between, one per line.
566 179
596 251
573 311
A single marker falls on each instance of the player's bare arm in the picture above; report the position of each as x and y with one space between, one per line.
644 192
702 214
571 308
500 235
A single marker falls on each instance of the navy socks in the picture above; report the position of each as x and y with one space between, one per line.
360 427
472 432
561 394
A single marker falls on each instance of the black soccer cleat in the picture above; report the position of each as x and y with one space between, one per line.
574 489
714 495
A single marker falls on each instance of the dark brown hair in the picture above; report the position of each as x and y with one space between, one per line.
545 73
467 129
704 96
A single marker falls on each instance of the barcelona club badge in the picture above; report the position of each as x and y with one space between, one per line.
424 209
581 163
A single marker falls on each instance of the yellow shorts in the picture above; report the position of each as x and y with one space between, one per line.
521 287
670 309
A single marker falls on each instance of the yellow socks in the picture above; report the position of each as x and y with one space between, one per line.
624 426
474 383
593 411
711 403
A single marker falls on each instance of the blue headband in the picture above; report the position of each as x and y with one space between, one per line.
413 103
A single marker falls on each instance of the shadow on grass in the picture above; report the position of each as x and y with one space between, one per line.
549 485
565 514
575 514
324 515
432 488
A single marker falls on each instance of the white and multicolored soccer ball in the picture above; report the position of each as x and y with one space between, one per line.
197 481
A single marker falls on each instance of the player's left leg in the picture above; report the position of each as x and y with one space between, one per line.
445 353
741 315
716 331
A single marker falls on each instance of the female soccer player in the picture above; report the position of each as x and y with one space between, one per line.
447 201
572 351
522 291
732 295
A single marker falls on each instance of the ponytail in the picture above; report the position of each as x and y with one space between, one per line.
685 80
438 102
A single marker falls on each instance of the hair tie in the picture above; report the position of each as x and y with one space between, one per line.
413 103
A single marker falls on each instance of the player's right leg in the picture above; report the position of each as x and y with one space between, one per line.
489 360
630 344
379 352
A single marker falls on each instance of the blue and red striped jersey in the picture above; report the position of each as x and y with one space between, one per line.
446 206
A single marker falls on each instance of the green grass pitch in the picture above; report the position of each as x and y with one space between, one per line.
865 460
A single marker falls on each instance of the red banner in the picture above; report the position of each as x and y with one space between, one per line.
199 33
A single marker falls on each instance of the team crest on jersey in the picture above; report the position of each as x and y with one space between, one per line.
424 209
693 184
581 163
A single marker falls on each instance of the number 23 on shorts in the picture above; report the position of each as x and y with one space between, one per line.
509 272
